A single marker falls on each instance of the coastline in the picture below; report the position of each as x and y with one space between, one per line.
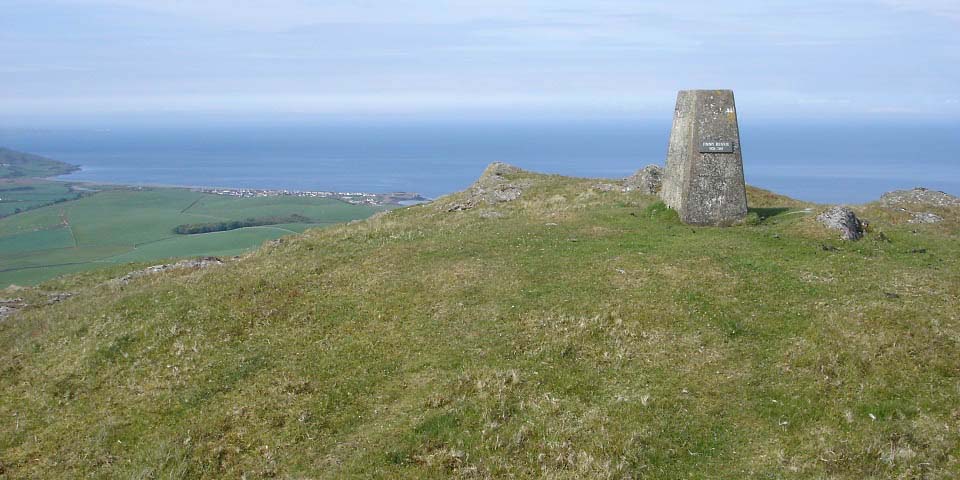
354 198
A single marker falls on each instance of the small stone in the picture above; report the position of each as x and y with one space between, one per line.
842 219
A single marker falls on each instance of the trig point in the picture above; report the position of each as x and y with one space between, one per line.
703 179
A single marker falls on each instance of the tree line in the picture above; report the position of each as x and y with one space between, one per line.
195 228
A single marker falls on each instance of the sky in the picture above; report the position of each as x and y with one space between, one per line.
62 59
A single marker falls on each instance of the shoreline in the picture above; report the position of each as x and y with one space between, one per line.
354 198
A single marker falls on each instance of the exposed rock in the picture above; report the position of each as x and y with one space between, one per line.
57 297
9 306
648 180
919 195
196 263
492 187
605 187
925 217
497 169
461 206
843 219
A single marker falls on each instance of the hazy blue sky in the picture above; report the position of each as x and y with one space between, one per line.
883 58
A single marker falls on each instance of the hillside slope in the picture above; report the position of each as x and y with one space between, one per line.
14 164
573 332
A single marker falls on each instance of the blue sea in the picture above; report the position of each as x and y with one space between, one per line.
838 162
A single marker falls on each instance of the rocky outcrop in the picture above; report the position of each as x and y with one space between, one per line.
9 306
648 180
195 263
925 217
919 196
843 219
494 186
916 200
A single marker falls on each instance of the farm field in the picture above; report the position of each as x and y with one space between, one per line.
20 195
126 224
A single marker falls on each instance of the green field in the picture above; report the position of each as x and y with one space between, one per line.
25 194
577 333
135 225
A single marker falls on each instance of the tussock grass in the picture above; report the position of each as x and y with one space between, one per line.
578 334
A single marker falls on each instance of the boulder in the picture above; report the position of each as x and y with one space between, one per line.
843 219
648 180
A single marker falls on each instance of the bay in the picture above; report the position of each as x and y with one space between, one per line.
827 162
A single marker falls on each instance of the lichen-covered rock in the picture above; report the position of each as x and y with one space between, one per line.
648 180
919 196
843 219
491 188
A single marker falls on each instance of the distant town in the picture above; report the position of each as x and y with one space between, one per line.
355 198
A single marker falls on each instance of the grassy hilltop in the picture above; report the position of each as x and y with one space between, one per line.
570 333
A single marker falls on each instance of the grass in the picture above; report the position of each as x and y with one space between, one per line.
233 242
584 334
135 224
17 245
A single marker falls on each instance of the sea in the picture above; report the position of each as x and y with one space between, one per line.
819 161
